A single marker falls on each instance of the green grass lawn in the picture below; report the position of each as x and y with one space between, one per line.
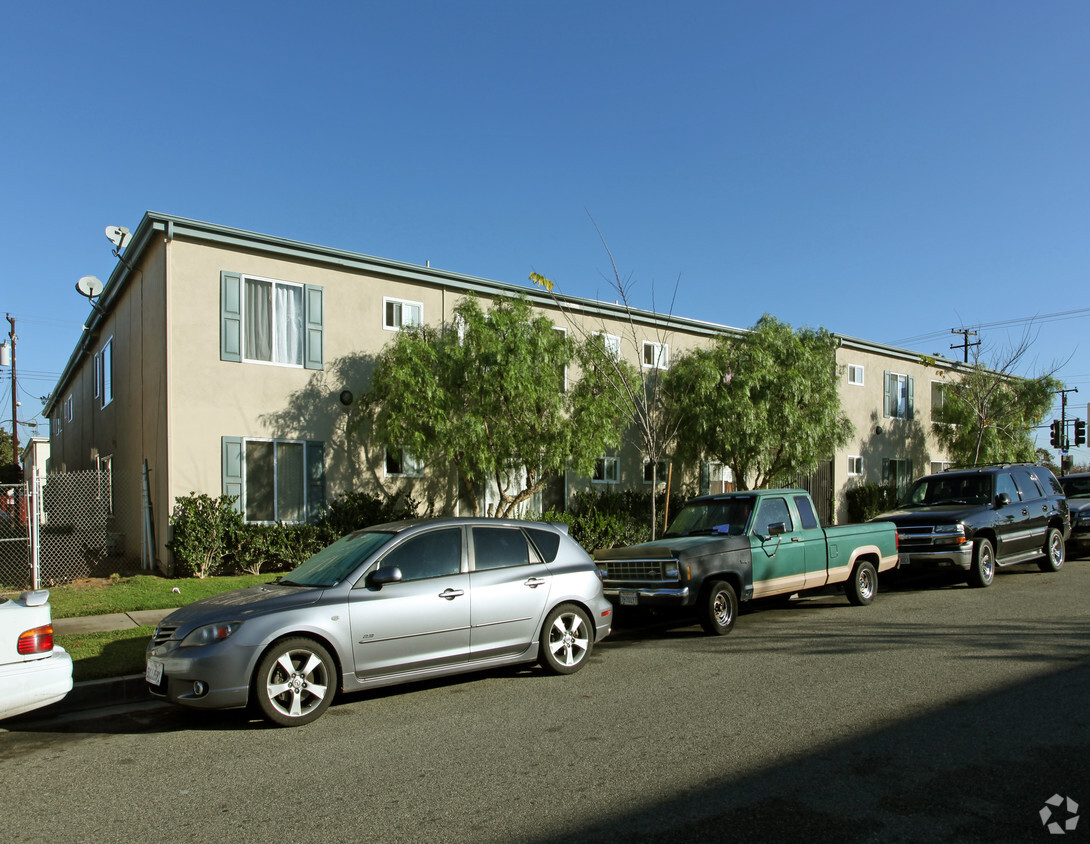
140 592
115 653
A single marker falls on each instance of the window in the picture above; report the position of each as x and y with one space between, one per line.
898 396
398 314
612 344
855 374
104 374
263 320
497 548
274 321
715 478
938 466
770 512
897 473
938 400
275 480
400 463
606 471
660 472
807 516
68 409
855 466
656 355
437 553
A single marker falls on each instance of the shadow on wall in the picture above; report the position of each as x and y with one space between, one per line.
354 461
900 439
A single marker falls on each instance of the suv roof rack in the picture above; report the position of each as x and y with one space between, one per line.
992 466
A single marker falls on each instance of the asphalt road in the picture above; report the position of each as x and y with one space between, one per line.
939 713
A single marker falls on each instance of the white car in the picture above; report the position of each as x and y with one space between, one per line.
33 671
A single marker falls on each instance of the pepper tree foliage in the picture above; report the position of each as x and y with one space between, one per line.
988 414
485 394
764 402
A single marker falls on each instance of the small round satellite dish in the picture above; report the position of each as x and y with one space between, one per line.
118 236
89 286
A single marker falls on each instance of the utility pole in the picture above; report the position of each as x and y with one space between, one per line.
964 344
14 400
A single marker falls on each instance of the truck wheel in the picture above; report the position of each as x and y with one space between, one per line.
295 682
982 571
719 608
1054 557
862 586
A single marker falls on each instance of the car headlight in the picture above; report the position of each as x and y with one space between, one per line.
670 571
211 633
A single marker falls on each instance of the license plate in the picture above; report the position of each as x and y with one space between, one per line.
629 598
154 672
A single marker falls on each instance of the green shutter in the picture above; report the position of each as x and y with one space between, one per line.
232 469
314 356
885 401
911 393
230 316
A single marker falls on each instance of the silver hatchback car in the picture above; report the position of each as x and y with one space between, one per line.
390 604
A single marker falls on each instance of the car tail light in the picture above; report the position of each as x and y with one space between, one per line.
36 641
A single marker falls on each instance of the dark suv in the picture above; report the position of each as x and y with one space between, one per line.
1077 487
980 518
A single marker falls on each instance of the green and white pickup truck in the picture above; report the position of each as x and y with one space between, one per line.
744 545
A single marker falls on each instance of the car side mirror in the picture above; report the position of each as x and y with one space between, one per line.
383 575
1002 500
777 528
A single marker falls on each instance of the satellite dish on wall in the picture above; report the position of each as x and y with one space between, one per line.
119 236
89 286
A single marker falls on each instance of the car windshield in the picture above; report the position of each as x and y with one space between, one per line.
334 563
1076 487
950 489
720 515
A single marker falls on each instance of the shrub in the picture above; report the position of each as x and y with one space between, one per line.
355 510
276 547
611 519
204 528
869 500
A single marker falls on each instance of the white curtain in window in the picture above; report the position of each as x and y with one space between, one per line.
289 324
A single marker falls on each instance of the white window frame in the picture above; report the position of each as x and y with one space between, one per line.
854 370
410 466
275 480
402 304
855 466
68 409
611 470
938 466
274 321
899 378
104 373
663 473
660 355
612 343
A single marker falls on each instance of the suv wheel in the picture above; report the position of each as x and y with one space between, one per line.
1054 557
982 571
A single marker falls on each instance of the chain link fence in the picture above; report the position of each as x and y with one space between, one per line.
71 521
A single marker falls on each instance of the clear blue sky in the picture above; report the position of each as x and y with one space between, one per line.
888 171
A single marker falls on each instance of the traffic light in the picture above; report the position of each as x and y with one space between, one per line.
1057 435
1080 432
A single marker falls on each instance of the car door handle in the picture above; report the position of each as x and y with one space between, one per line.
535 582
451 594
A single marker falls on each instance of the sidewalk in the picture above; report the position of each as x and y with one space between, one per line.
114 621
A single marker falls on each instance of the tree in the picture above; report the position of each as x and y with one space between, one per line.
764 402
634 392
988 414
486 395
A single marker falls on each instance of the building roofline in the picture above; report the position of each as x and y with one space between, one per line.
172 227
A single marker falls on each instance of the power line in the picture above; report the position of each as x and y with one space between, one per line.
1061 315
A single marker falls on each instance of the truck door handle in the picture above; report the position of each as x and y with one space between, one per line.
535 582
1025 512
451 594
796 539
